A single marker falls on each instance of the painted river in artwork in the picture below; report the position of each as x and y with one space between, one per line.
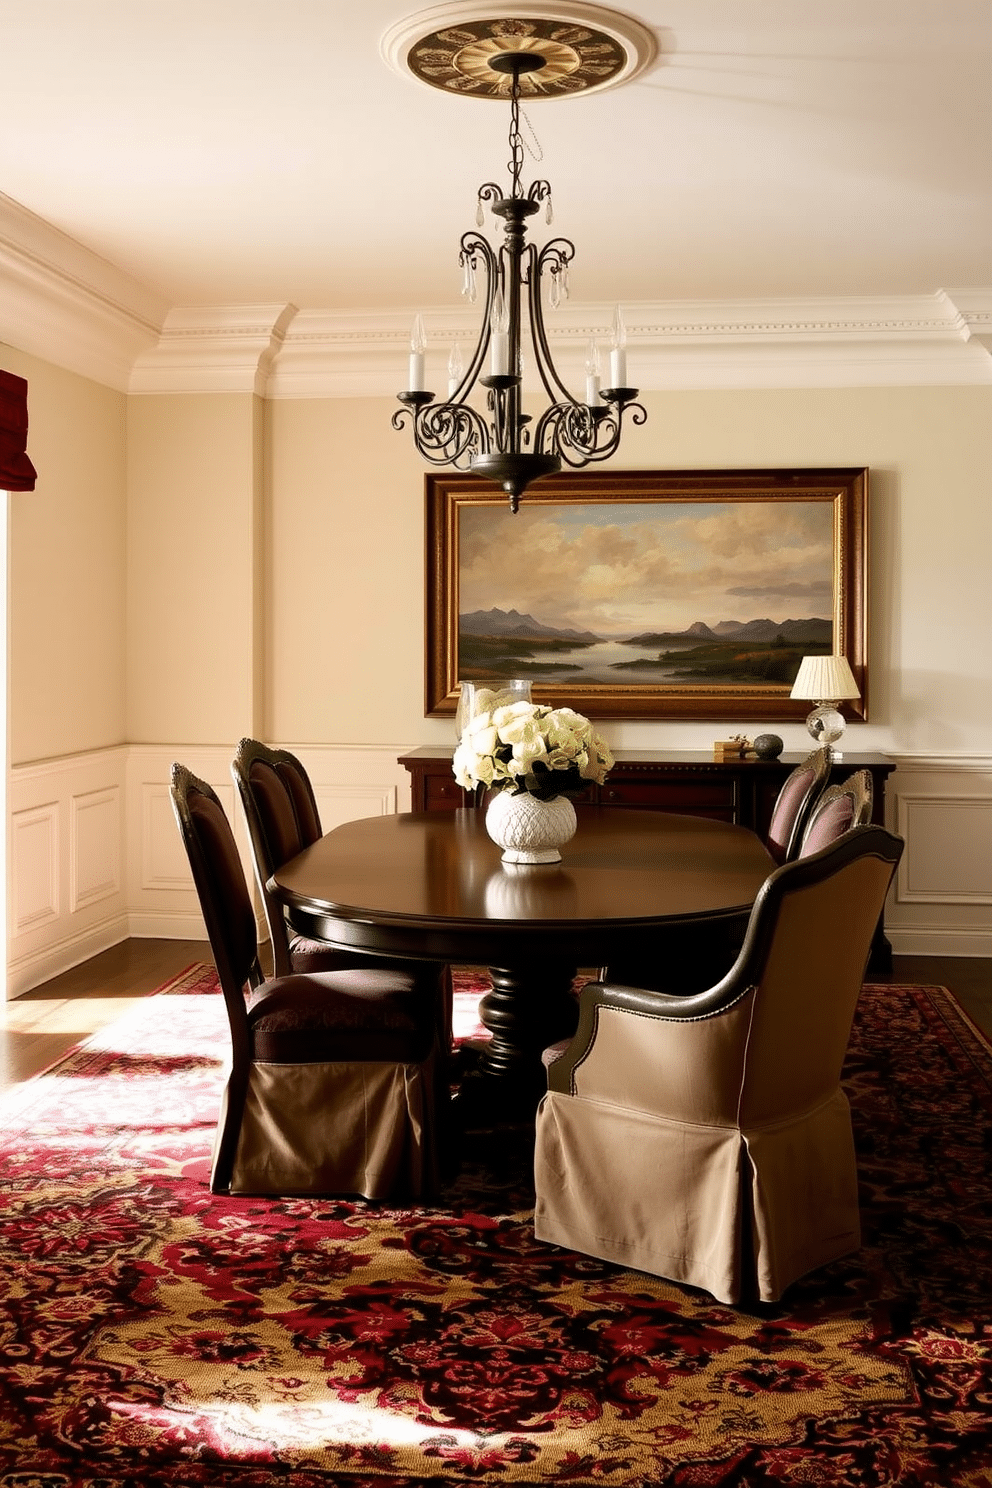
596 665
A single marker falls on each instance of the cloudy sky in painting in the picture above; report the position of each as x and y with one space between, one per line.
618 569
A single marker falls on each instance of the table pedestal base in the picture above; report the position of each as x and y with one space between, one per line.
527 1009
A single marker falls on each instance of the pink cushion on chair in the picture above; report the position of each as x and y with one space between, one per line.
790 801
832 822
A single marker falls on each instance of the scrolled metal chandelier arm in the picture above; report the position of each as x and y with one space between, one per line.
579 435
444 433
552 261
474 248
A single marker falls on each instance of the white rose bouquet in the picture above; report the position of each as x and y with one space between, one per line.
521 747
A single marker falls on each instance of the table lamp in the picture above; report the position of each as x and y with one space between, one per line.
825 680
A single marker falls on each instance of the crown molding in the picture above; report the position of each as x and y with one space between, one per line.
227 349
61 302
65 304
972 313
912 340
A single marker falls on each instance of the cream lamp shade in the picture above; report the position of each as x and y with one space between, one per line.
825 680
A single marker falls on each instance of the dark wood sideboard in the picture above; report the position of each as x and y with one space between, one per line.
693 784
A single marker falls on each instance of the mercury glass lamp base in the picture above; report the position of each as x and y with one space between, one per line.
826 724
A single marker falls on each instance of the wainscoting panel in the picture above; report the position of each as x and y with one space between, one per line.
35 877
67 898
948 849
161 898
942 901
96 842
348 783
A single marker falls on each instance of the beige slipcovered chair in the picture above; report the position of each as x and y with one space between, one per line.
838 809
795 801
332 1088
707 1139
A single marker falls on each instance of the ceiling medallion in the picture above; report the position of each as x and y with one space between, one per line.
582 48
459 59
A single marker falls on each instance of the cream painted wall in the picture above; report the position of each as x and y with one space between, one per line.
194 581
345 512
66 568
345 565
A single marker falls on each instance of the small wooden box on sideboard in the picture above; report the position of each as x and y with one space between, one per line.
694 784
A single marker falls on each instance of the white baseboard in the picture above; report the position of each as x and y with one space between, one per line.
940 942
179 926
51 960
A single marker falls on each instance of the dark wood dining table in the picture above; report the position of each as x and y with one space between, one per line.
432 886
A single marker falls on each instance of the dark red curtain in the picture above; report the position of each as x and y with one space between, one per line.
16 471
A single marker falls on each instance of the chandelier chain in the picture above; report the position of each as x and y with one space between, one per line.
530 141
520 141
516 160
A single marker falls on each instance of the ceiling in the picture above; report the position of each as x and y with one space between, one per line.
228 152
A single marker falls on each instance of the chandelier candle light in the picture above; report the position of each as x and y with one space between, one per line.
500 443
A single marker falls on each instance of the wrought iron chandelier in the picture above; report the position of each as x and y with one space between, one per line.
500 442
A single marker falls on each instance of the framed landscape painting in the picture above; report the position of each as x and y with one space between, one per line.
648 594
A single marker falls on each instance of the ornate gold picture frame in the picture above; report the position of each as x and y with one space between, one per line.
688 594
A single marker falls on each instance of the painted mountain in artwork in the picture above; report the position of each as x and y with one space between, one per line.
511 623
812 632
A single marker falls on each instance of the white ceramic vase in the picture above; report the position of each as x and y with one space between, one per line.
529 830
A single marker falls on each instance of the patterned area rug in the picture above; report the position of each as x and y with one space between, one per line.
154 1334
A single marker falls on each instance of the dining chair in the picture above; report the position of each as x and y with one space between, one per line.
695 957
708 1139
794 802
333 1084
281 814
282 818
839 808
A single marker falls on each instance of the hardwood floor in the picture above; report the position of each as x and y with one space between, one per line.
42 1025
968 977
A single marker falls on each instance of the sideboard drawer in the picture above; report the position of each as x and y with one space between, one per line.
716 798
443 793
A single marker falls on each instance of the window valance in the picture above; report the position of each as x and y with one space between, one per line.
16 471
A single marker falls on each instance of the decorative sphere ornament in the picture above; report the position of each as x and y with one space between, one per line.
767 746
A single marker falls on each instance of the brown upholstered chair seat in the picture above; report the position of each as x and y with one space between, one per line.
316 955
339 1015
